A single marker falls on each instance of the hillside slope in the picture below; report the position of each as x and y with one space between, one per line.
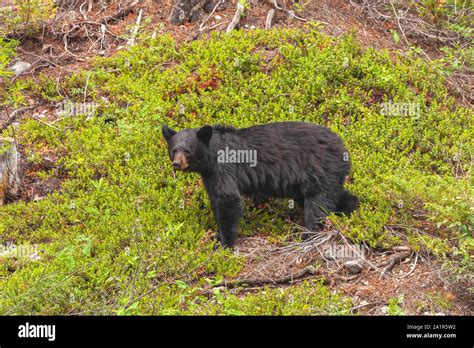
119 232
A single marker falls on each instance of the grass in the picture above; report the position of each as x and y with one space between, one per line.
123 236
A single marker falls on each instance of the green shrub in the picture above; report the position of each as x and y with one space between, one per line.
7 52
26 17
124 236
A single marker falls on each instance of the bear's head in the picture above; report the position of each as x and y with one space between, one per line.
188 149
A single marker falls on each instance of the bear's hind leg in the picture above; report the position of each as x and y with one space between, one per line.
316 208
314 214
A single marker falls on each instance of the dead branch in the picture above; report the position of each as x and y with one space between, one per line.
409 22
392 261
291 13
276 5
412 267
362 305
44 122
13 116
65 39
120 14
201 26
398 21
82 12
283 9
255 282
238 14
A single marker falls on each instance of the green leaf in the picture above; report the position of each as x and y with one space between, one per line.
396 37
181 284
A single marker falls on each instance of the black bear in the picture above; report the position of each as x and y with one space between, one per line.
298 160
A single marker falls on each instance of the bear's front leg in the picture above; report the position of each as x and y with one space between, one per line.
228 212
216 218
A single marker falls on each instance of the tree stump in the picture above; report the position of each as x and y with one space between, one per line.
9 169
190 10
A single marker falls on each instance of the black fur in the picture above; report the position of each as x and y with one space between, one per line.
298 160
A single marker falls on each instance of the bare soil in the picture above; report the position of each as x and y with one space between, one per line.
417 281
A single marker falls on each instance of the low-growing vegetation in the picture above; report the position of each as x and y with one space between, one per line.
122 234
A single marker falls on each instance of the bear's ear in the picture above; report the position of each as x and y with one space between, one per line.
167 132
204 134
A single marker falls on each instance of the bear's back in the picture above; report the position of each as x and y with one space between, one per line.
289 155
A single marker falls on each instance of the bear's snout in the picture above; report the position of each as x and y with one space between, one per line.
180 162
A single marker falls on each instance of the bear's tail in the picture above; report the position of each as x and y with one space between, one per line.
347 203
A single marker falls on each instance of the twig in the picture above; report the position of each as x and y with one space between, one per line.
82 13
215 25
13 116
412 267
45 123
293 14
399 25
65 43
43 58
276 5
121 13
351 311
101 25
201 27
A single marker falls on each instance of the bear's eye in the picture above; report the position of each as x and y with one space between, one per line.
186 152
